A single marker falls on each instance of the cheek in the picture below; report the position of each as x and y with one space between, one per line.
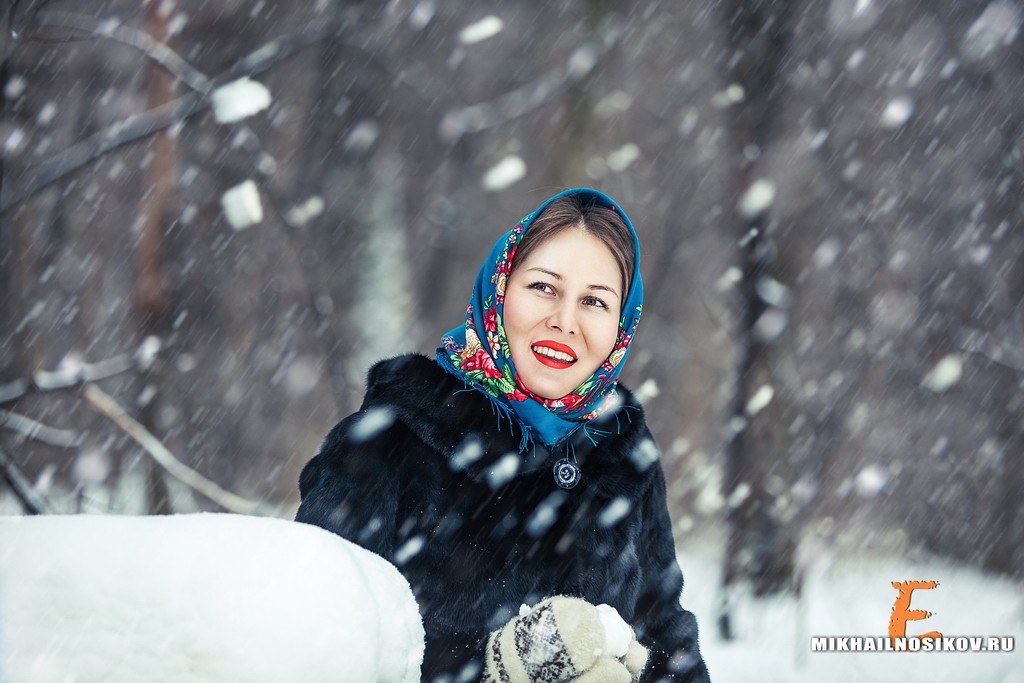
513 317
601 338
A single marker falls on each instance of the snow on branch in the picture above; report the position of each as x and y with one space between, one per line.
239 99
105 404
70 373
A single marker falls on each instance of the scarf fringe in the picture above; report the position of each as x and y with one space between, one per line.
528 438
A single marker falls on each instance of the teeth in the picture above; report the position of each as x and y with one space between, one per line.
551 353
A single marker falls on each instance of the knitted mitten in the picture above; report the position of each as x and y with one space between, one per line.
605 670
635 660
561 639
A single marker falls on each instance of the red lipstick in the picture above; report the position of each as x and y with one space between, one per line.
555 363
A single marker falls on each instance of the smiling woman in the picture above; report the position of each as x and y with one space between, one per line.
446 470
576 279
560 312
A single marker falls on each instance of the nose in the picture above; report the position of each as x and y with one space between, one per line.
562 317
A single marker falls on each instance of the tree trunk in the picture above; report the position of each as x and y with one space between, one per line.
758 547
151 286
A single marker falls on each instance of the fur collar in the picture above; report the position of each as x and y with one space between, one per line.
463 424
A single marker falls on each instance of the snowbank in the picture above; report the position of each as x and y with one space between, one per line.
198 598
853 596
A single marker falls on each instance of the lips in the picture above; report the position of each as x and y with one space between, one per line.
553 355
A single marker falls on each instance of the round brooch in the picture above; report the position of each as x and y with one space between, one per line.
567 475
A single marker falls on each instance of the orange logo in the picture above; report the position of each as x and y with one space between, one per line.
901 612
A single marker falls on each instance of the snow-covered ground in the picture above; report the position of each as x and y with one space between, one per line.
207 597
853 596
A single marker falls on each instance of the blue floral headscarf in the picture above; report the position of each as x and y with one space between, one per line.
478 353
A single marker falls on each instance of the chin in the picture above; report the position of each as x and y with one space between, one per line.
550 390
552 395
538 379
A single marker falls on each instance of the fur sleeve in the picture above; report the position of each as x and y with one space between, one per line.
663 626
349 489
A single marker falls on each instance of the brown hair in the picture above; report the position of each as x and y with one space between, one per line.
576 211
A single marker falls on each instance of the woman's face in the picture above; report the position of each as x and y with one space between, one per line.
562 312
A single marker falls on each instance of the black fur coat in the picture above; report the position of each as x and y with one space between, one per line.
427 474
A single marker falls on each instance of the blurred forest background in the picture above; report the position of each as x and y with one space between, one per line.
828 192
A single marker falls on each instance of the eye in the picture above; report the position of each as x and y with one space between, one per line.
594 301
542 287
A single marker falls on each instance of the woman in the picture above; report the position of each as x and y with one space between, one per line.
515 471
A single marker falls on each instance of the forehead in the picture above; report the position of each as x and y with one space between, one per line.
576 252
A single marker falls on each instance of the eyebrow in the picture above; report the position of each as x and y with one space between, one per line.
559 277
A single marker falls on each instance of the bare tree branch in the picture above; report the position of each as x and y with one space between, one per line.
6 48
121 133
142 125
1008 350
12 391
140 40
32 429
1000 352
178 111
105 404
472 118
478 117
31 501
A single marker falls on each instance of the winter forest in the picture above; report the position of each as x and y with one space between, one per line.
216 215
